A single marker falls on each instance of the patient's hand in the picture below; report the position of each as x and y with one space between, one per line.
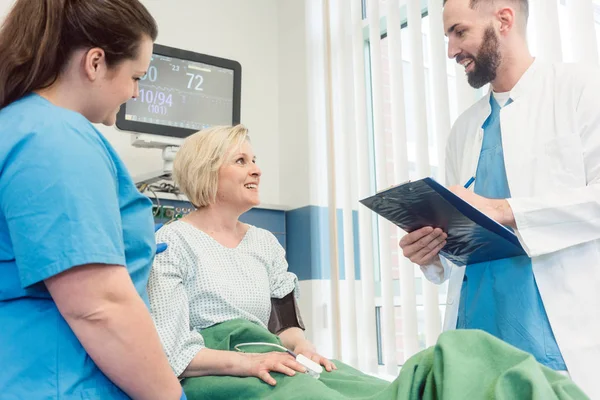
308 350
423 245
259 365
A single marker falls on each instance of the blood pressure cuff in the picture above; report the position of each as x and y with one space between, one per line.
285 314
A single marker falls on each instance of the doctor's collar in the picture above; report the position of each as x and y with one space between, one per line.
523 85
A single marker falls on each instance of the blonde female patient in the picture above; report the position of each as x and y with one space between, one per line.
217 269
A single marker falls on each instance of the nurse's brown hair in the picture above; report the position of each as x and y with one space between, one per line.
38 37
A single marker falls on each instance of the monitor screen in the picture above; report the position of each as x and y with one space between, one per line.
183 92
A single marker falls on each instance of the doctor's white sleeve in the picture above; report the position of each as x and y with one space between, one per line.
556 221
438 273
169 305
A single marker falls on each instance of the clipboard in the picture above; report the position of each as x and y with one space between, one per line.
473 237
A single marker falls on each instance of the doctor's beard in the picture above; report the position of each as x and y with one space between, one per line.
487 60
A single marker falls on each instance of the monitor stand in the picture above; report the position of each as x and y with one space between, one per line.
169 146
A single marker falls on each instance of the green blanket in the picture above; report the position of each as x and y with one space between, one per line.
464 364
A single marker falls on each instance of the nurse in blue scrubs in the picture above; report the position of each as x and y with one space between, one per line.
76 237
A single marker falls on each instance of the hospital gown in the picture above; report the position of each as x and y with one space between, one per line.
197 283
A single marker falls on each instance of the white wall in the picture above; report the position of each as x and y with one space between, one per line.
5 7
293 138
303 171
242 30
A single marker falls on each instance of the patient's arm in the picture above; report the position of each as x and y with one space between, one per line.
169 305
285 320
285 314
219 362
215 362
294 339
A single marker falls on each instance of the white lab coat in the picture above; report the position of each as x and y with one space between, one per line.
551 142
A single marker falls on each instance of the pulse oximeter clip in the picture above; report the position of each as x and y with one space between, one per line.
312 368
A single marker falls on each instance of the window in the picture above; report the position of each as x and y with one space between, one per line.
411 146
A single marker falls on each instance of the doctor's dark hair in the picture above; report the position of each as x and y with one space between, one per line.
524 4
38 37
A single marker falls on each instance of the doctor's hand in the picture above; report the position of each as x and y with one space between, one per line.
423 245
497 209
308 350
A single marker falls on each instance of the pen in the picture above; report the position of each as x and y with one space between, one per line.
469 182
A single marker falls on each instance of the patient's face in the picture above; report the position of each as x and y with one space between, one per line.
239 178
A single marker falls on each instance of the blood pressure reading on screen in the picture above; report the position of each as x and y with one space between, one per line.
183 94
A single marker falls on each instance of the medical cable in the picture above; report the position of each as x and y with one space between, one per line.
265 344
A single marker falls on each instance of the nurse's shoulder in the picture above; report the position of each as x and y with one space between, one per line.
33 113
34 121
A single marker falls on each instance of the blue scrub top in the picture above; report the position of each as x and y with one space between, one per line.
66 199
501 297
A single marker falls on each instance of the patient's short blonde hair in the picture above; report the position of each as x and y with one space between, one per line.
197 163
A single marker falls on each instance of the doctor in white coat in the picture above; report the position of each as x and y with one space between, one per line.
533 146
